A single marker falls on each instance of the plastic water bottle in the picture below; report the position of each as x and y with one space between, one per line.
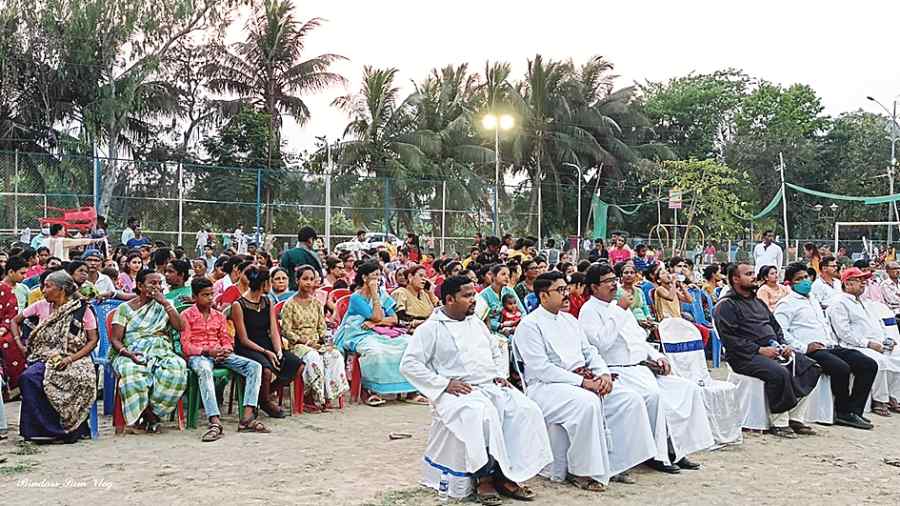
444 487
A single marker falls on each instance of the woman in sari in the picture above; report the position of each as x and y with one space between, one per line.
369 328
60 384
489 305
280 291
151 376
305 335
413 302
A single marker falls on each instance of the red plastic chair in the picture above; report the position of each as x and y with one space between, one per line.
354 373
118 410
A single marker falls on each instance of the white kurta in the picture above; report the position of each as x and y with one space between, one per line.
493 421
675 405
854 327
605 435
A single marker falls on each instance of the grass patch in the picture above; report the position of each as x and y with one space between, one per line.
405 497
19 467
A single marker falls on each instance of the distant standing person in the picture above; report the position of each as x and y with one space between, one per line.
202 241
767 252
240 240
128 233
303 254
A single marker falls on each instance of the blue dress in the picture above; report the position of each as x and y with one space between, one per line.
379 355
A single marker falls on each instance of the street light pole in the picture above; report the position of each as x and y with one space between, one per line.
497 181
576 167
892 210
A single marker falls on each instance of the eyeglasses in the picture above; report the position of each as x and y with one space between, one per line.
606 280
562 290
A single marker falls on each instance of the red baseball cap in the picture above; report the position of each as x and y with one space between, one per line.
854 272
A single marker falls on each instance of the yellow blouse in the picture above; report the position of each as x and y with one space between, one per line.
302 325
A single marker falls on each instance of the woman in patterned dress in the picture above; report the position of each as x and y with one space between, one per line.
151 376
304 333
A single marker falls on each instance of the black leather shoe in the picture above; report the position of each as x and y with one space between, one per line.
783 432
864 419
662 467
852 420
684 463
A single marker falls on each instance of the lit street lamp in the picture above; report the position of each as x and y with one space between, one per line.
497 123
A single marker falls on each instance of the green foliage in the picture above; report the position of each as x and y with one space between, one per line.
711 201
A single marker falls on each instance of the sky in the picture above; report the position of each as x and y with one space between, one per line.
845 51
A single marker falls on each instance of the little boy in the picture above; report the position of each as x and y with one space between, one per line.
206 343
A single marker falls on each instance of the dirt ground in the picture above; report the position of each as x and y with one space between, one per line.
345 457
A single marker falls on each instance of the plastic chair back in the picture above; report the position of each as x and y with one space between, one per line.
682 343
888 319
340 308
339 293
104 311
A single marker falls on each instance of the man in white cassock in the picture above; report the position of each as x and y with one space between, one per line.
675 405
482 427
606 427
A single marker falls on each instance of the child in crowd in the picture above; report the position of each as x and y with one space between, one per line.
577 297
206 344
510 316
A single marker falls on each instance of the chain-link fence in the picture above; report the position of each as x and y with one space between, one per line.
173 201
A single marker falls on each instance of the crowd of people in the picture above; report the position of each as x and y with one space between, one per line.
533 361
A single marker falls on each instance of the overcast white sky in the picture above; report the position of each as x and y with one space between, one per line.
844 50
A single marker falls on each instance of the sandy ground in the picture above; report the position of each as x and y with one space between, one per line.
345 457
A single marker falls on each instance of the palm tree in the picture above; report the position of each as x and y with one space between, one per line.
382 139
269 72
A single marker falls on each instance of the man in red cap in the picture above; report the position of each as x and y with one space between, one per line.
857 327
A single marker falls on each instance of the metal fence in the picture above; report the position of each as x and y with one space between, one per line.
173 201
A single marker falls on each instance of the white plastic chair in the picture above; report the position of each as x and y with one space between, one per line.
683 345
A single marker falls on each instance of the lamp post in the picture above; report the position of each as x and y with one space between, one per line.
892 210
577 168
497 123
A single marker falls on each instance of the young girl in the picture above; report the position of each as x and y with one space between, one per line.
576 293
510 316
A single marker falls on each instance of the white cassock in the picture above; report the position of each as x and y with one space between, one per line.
466 430
605 435
675 405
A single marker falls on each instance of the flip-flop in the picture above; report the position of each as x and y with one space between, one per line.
213 433
521 492
418 400
489 499
375 401
588 484
253 425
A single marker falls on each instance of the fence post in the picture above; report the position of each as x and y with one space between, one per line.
180 202
387 200
258 202
443 214
328 212
16 196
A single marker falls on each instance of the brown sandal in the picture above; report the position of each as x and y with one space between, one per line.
881 410
253 425
213 433
586 483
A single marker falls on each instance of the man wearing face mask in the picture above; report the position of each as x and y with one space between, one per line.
807 331
756 347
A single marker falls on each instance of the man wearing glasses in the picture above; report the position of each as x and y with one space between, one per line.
565 375
675 405
827 286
